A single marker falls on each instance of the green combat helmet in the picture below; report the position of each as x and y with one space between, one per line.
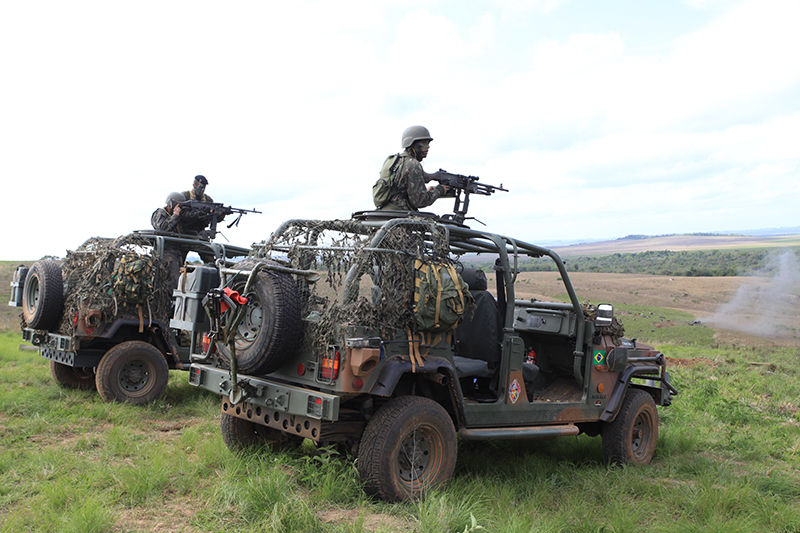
415 133
174 198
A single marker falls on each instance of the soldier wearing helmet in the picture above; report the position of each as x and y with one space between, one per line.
168 218
408 186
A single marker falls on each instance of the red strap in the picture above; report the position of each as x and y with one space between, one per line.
233 295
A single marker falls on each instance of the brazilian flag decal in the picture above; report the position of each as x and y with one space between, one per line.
599 357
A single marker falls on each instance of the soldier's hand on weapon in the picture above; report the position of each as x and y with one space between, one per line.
431 187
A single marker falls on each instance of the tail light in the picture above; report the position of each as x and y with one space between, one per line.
329 366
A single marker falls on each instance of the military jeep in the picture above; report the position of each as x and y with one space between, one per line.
314 336
79 314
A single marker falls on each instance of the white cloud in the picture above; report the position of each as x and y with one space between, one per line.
292 107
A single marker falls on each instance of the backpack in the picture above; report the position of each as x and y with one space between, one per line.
440 295
384 187
132 279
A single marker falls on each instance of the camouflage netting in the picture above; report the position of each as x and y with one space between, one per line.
360 285
88 274
616 330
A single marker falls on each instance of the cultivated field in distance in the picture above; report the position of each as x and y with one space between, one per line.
744 310
677 243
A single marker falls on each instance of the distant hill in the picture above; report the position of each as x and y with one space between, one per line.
677 243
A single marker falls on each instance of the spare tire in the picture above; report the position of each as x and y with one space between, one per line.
43 295
271 328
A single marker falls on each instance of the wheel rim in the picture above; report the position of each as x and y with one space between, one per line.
250 326
33 294
134 377
419 458
641 434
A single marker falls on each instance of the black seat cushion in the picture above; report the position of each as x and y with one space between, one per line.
472 368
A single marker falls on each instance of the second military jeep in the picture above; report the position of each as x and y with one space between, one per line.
314 336
101 316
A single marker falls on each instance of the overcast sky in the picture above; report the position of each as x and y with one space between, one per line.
602 118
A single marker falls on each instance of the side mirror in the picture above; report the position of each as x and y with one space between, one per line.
604 315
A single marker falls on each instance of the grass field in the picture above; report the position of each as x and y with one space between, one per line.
728 457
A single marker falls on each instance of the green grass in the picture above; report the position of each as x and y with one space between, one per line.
728 460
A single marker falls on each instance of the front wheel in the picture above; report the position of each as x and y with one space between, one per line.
408 448
72 377
631 437
134 372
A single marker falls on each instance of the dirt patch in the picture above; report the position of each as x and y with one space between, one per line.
371 522
173 515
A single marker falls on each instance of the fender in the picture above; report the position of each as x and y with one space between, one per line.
399 365
396 366
623 381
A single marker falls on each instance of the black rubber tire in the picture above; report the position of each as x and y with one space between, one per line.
43 295
242 435
73 377
408 448
631 438
271 329
134 372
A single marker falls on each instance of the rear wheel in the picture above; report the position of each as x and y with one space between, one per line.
631 437
133 371
43 295
72 377
408 448
270 329
240 435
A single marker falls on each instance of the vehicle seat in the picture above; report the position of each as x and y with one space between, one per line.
478 336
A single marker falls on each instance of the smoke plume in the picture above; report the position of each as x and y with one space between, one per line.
768 304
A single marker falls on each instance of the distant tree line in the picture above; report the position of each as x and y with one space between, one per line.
661 263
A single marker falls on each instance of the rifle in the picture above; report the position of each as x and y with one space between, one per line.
467 184
199 214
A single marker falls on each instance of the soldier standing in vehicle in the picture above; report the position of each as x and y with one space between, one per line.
194 222
198 191
408 191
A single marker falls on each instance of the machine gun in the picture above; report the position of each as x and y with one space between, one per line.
196 215
458 184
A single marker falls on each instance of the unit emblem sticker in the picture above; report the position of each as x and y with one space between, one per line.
599 357
513 391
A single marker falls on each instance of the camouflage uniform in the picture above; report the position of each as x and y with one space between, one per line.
190 223
189 195
412 194
161 220
173 257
